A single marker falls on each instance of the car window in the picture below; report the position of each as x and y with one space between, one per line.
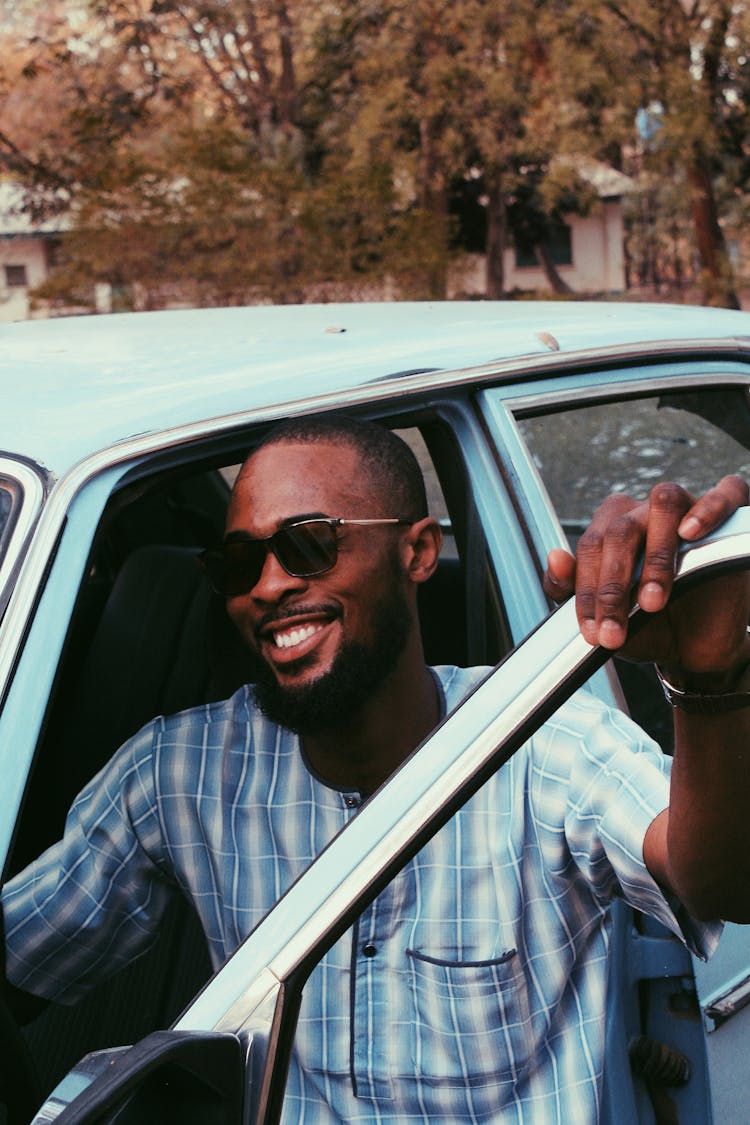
585 452
435 498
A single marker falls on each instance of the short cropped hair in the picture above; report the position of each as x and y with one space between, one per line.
392 466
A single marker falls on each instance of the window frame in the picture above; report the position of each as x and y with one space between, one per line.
27 489
16 275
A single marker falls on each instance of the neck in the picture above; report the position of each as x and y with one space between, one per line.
365 751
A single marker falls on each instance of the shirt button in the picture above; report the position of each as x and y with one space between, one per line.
351 800
369 950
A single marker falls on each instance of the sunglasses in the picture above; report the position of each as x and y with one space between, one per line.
303 549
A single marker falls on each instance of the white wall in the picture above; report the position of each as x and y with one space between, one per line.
598 255
20 251
598 260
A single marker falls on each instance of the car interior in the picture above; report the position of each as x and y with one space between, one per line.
148 636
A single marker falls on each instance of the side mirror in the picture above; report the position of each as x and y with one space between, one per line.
168 1078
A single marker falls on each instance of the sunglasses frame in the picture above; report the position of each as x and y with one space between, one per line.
206 558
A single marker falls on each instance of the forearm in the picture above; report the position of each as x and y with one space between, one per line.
22 1005
704 851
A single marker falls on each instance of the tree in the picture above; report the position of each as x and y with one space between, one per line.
261 148
679 55
458 99
166 115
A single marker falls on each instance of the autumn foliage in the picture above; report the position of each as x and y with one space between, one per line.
272 150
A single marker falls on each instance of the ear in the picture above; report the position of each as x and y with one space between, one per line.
420 549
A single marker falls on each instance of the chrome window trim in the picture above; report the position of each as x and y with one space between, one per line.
720 1007
644 385
505 408
32 498
405 387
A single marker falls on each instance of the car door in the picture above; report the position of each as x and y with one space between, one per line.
225 1059
566 443
498 552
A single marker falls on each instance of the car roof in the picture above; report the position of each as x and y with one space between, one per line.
70 387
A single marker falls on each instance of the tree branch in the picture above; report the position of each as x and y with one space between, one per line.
631 23
288 90
215 75
17 161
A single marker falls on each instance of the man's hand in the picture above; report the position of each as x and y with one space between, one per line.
696 848
703 632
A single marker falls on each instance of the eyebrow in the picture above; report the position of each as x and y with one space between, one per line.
240 536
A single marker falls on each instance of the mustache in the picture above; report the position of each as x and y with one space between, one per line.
302 609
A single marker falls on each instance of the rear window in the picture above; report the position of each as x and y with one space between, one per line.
695 436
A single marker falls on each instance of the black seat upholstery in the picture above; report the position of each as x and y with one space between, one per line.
156 649
162 643
442 615
159 646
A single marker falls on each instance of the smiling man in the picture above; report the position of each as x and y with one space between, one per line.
341 647
474 987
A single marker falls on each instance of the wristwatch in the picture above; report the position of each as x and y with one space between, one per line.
702 703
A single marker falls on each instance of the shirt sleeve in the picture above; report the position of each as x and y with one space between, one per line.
617 783
93 901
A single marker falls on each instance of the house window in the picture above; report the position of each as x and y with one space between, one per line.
51 252
558 244
15 277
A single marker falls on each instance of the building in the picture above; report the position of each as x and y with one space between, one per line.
588 251
27 252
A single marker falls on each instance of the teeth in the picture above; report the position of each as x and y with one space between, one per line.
295 636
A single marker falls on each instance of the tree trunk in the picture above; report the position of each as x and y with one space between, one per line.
716 271
288 79
497 229
433 200
557 284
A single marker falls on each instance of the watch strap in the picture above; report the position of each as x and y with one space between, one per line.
702 703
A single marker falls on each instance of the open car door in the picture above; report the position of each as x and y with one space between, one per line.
225 1060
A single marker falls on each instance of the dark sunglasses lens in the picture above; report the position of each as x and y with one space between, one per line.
308 548
234 568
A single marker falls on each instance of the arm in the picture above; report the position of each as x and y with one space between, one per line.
93 901
699 848
15 1005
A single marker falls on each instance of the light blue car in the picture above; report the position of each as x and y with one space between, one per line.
118 440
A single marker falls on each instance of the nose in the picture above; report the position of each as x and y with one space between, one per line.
274 582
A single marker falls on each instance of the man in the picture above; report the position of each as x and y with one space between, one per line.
474 987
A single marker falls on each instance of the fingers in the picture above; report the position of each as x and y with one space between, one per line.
667 507
605 564
559 578
714 508
670 523
621 532
663 536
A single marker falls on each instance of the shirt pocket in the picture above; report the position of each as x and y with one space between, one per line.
472 1024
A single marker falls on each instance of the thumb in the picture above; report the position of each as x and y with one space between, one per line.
560 575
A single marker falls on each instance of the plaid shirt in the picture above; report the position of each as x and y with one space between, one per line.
472 989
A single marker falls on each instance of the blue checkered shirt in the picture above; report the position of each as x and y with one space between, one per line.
472 989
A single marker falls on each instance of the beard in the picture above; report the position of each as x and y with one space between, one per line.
333 700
